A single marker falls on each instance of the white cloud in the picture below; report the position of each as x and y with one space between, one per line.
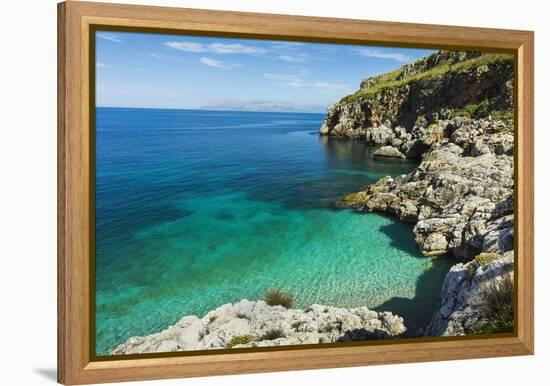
215 48
218 64
329 86
289 52
296 84
383 55
322 86
282 77
237 48
187 46
109 36
294 58
296 81
101 65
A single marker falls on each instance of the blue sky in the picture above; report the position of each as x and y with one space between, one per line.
178 71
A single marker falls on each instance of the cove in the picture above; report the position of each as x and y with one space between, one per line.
195 209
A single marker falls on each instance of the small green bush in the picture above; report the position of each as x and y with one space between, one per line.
497 310
502 115
476 110
272 334
471 268
485 258
241 339
479 261
277 297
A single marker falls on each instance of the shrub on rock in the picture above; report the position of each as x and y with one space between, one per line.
278 297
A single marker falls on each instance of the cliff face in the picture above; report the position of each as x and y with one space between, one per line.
469 294
439 86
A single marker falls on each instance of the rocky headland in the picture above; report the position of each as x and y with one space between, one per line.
453 111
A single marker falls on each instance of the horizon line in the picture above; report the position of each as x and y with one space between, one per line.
205 109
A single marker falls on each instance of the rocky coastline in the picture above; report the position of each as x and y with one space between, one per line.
464 297
460 197
453 112
257 324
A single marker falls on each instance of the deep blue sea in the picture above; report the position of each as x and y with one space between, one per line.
195 209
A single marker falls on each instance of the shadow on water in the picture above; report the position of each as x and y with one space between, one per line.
417 312
341 166
395 231
357 154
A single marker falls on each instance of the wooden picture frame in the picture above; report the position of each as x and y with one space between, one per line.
77 363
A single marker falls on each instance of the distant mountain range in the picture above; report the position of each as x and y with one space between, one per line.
274 106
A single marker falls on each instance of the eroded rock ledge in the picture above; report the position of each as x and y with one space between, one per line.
255 323
460 197
453 111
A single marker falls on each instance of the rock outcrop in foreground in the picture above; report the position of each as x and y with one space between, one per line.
464 294
256 324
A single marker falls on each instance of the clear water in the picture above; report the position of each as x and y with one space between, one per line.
195 209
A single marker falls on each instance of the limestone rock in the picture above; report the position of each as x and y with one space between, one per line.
381 135
265 325
460 197
462 295
389 152
344 121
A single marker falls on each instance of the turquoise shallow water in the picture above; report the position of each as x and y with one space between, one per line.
197 209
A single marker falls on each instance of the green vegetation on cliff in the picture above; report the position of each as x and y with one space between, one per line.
399 78
497 311
440 86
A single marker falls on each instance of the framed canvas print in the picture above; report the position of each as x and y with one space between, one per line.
248 192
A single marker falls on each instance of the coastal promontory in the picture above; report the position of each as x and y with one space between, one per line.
452 112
